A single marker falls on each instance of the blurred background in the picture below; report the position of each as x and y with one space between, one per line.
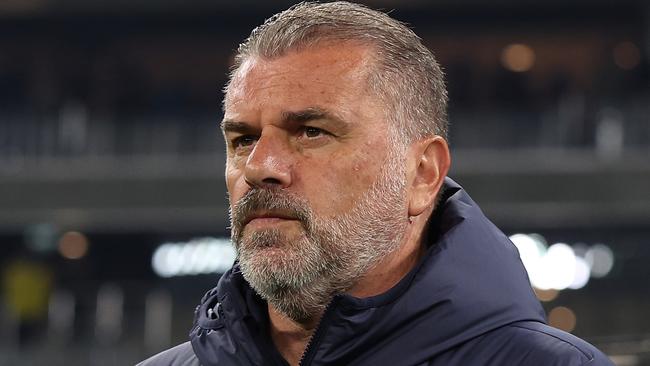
113 218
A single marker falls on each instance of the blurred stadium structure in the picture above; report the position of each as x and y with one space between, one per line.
112 201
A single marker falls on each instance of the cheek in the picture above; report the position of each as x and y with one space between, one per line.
361 166
231 175
361 172
234 182
338 183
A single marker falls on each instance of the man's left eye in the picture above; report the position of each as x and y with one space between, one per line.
313 131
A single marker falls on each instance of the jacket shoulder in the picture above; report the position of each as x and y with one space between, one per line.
181 355
539 344
526 343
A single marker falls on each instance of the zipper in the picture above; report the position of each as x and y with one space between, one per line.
312 344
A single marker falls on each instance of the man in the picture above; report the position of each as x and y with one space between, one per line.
353 246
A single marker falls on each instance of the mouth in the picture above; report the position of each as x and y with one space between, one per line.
268 217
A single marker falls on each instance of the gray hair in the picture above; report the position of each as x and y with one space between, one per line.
406 76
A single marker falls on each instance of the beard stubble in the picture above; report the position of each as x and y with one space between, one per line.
299 272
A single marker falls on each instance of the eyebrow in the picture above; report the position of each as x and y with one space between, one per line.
234 126
308 114
289 117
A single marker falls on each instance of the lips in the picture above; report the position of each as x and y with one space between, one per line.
269 215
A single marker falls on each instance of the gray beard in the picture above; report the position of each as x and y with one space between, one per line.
299 276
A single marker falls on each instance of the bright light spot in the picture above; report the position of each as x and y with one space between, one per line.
600 259
561 266
201 259
174 260
562 318
211 258
546 295
159 261
557 267
627 55
581 274
518 57
73 245
540 240
530 250
184 259
198 256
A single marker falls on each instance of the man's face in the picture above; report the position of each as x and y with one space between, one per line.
316 188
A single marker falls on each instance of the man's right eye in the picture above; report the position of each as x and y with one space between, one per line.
243 141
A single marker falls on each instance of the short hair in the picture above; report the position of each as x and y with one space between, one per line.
406 75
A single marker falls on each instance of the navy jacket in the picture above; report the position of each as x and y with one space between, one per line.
468 302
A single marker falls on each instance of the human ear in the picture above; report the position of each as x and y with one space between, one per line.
432 161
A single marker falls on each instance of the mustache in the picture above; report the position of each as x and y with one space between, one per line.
269 200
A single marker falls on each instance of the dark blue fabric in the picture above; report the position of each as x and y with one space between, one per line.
468 302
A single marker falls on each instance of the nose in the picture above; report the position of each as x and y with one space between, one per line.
269 163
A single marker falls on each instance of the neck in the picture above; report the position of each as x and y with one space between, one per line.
291 337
